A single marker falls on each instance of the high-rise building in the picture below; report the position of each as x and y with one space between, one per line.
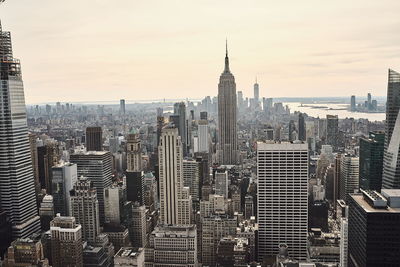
66 242
203 136
85 208
302 127
256 92
35 163
371 161
172 246
46 160
353 103
94 139
292 131
332 132
138 226
5 233
65 176
391 165
96 166
282 198
221 182
175 199
227 146
46 212
349 176
122 107
114 201
17 189
344 242
215 227
191 177
134 170
181 124
374 228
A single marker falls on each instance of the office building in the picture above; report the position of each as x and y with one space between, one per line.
282 198
114 203
5 233
215 227
96 166
175 199
203 134
221 182
233 251
353 103
117 234
17 188
371 161
138 226
129 257
344 242
85 208
227 146
26 252
134 170
391 165
332 132
349 176
182 125
302 127
122 107
46 212
64 175
47 158
66 242
171 246
191 177
35 163
94 138
374 228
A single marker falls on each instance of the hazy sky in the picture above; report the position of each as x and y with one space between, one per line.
97 50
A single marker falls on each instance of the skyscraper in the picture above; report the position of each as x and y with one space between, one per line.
227 146
97 167
282 198
122 106
203 136
94 139
391 163
349 176
17 189
256 92
374 228
302 127
65 176
371 161
181 124
134 171
85 208
332 131
175 200
353 103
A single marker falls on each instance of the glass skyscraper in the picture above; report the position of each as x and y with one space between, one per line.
17 189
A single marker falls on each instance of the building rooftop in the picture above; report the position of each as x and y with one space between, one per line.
359 198
129 252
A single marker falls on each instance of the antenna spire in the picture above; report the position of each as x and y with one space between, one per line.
226 56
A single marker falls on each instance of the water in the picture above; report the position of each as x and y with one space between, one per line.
342 113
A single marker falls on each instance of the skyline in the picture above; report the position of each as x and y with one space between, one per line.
338 49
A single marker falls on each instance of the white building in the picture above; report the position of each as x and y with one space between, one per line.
349 176
203 136
175 199
282 170
344 241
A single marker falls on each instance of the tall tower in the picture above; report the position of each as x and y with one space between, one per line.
134 175
17 189
181 124
227 147
302 127
349 176
256 91
175 200
391 161
94 139
332 131
282 213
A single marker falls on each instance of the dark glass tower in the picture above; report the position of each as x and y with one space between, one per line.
94 139
391 162
302 128
371 161
17 189
181 124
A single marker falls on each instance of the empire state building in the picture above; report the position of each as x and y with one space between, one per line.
227 147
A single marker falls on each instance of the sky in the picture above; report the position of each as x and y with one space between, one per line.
106 50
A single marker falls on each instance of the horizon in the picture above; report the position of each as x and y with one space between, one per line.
137 50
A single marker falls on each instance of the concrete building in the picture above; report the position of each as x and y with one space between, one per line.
172 246
96 166
46 212
138 226
332 132
129 257
204 136
66 242
227 146
349 176
221 182
191 177
134 170
26 252
282 198
175 199
85 208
